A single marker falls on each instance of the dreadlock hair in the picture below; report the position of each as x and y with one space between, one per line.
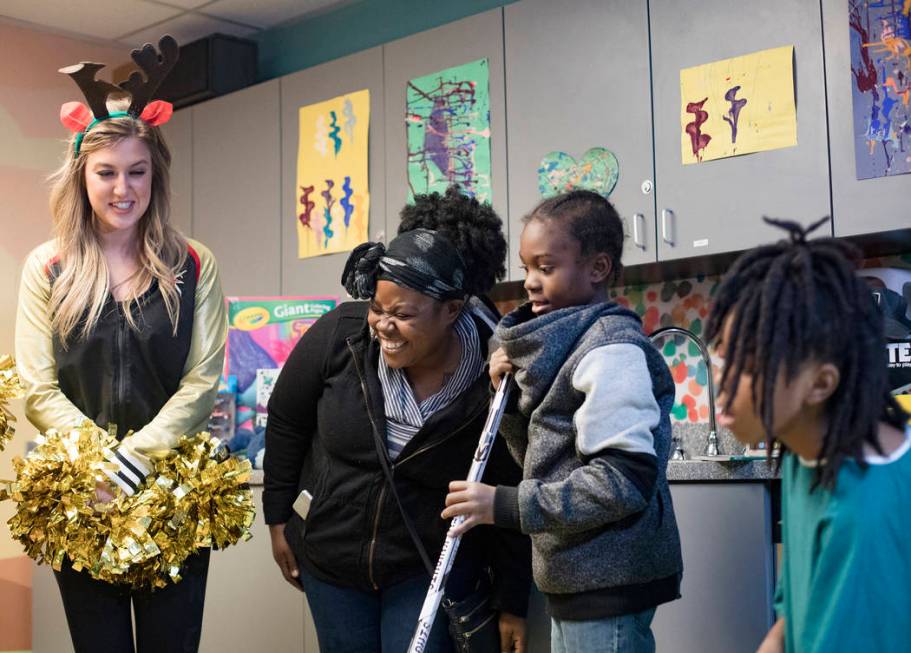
800 300
473 228
591 220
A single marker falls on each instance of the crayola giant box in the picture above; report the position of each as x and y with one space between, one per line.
262 331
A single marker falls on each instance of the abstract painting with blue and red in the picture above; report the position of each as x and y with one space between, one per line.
881 86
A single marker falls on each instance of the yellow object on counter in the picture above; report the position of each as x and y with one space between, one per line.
905 402
196 497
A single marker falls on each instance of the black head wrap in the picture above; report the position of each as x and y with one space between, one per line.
421 259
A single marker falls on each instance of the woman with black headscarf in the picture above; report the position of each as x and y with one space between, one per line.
393 387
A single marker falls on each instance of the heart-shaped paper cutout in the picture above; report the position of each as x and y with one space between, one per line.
597 171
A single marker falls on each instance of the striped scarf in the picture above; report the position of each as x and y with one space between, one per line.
404 415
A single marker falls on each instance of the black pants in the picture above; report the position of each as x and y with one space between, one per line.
168 620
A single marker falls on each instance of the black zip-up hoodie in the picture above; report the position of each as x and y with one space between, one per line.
319 439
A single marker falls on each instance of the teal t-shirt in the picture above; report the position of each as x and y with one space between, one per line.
845 582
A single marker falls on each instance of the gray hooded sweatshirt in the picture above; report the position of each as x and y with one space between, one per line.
591 429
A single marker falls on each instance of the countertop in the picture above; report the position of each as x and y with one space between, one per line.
733 470
693 438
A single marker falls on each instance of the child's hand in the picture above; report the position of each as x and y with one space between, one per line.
499 365
474 500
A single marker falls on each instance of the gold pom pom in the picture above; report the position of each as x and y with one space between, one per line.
196 497
10 388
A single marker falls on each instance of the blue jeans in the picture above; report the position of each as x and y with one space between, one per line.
352 621
629 633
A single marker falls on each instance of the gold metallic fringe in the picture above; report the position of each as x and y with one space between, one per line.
197 497
10 388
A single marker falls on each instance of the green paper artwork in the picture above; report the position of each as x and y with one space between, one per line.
447 121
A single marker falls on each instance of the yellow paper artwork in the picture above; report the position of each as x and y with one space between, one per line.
332 196
738 106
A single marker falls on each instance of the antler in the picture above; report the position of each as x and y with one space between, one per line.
155 66
96 91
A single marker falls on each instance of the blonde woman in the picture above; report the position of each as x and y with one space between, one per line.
121 321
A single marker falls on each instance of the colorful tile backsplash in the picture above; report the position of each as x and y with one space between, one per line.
682 303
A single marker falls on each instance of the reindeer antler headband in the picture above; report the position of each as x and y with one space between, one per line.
79 118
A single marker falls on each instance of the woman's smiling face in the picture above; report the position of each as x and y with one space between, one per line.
411 327
118 182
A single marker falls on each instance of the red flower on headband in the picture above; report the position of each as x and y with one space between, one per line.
75 116
157 113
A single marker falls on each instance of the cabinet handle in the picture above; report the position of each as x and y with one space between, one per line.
666 215
637 232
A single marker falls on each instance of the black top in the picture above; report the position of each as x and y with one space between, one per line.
122 376
319 438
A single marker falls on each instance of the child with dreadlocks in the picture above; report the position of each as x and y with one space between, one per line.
803 348
592 431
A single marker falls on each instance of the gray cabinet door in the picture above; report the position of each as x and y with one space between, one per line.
577 77
321 275
728 570
859 206
178 134
237 187
476 37
716 206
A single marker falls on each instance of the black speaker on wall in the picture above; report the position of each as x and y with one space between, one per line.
209 67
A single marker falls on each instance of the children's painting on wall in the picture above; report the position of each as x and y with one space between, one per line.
262 331
598 171
881 86
738 106
447 122
332 196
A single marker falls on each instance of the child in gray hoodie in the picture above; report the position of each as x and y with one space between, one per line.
591 429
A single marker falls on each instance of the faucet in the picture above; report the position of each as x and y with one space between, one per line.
711 447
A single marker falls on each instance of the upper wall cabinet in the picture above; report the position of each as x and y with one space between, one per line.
577 78
867 205
716 206
320 275
237 187
178 134
464 41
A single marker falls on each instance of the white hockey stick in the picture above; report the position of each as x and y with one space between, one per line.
448 554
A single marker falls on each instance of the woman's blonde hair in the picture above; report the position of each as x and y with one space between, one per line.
80 291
